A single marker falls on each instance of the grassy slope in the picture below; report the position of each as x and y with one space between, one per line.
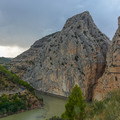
14 79
15 102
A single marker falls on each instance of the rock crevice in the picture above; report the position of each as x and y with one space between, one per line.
111 77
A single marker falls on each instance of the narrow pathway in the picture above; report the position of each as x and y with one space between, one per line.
20 90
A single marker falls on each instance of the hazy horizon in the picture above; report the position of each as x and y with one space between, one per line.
23 22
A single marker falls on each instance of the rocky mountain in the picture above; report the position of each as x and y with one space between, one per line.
74 55
111 77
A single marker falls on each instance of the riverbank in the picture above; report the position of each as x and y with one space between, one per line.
19 102
52 106
22 111
50 94
48 101
16 95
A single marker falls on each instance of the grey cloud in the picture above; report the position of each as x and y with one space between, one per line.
24 21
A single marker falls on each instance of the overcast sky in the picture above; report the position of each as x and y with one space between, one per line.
22 22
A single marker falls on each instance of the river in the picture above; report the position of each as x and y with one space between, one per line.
52 106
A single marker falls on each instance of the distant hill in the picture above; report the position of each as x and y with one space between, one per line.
4 60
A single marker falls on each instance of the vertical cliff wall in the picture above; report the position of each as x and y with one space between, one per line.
75 55
111 77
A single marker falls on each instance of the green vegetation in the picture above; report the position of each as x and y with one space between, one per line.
6 85
108 109
75 107
15 79
14 101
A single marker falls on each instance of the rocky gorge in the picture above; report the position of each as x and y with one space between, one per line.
78 54
111 77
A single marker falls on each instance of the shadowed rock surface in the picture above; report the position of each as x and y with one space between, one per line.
111 78
75 55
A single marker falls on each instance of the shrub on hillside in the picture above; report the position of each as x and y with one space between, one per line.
10 104
108 109
15 79
75 107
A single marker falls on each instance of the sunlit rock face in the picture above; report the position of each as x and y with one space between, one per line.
111 78
75 55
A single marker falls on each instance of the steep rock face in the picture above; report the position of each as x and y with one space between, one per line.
111 78
75 55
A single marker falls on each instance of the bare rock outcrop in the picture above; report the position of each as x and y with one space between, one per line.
111 77
75 55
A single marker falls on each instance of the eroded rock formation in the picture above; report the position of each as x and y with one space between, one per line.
75 55
111 77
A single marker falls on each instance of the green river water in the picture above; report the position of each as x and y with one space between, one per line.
52 106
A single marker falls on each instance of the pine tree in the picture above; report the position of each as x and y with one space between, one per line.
75 107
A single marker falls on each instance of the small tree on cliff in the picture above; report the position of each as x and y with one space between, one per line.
75 107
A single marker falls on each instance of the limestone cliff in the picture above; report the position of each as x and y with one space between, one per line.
111 78
75 55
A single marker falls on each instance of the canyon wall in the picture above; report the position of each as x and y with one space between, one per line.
111 77
74 55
